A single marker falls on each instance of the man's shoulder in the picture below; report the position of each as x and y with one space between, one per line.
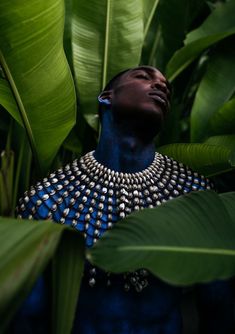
185 177
49 198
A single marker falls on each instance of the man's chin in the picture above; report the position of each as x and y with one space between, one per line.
151 123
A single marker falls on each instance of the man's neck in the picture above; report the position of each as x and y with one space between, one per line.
123 150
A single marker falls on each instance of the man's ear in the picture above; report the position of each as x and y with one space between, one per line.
105 97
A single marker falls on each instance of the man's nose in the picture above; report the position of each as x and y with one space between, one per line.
162 86
159 85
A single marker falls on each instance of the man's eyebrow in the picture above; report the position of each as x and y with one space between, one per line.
142 69
150 71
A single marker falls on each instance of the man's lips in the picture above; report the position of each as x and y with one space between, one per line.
160 98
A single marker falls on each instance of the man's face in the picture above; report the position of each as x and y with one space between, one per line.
141 94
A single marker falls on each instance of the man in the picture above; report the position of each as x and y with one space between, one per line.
122 175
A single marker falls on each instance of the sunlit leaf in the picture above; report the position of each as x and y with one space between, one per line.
206 159
33 60
187 240
107 37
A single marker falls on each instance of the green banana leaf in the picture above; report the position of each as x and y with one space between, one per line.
68 31
216 88
175 18
26 248
223 120
33 60
8 102
219 25
107 37
226 141
149 8
190 239
206 159
68 263
6 182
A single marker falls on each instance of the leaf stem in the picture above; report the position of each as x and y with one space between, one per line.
104 77
21 107
146 28
212 251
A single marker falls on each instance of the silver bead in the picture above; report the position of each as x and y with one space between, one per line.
39 202
84 199
45 197
175 193
65 194
72 201
74 223
102 198
99 214
166 192
122 214
26 199
32 192
92 282
87 217
66 212
104 190
59 200
110 200
87 192
122 206
98 223
77 194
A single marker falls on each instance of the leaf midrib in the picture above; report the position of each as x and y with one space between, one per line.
106 44
218 251
20 105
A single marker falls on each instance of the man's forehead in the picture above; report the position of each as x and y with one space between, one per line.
148 69
145 68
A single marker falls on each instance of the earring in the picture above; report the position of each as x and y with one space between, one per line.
104 101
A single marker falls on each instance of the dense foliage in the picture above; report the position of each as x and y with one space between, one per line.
57 55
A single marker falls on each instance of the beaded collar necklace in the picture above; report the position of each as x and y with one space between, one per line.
133 191
91 197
